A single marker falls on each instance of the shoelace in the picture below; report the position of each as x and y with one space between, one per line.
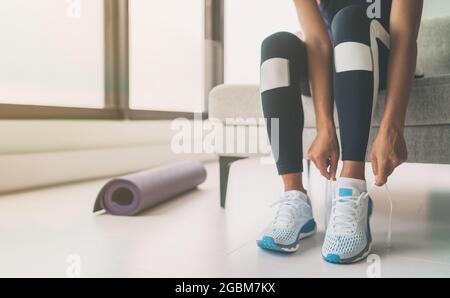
345 214
332 188
286 211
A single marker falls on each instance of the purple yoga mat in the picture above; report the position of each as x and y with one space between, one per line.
132 194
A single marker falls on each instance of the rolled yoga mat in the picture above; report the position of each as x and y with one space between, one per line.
132 194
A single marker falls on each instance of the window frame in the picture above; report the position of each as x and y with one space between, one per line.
116 70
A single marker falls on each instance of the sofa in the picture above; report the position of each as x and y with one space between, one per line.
427 130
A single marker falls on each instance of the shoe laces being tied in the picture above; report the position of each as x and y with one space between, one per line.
289 205
346 212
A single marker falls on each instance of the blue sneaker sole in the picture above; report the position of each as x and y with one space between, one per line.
335 259
268 243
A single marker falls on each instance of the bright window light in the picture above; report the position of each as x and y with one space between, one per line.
52 53
167 55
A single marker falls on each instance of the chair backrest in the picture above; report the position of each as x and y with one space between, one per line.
434 46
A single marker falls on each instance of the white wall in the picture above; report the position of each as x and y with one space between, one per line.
247 23
436 8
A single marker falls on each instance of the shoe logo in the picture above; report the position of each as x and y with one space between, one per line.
345 192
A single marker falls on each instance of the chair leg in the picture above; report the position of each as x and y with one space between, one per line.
225 163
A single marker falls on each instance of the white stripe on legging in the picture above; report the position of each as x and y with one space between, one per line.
275 74
352 56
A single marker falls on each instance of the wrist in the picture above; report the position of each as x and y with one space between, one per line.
327 129
393 120
392 126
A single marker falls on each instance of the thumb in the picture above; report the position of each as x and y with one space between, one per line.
383 175
374 165
323 168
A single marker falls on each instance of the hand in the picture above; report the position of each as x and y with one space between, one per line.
388 152
324 152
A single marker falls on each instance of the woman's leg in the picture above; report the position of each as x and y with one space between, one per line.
361 59
358 54
283 71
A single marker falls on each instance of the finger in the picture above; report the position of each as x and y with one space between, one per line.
334 166
383 171
329 165
323 168
374 165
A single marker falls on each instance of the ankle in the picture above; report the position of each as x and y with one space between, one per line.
353 176
295 188
293 182
353 170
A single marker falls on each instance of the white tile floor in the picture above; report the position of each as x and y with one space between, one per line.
193 237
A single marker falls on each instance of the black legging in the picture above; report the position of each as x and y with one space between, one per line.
361 48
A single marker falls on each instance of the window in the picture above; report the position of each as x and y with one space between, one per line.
50 55
247 23
102 59
167 55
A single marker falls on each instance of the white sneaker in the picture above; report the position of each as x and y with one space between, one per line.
293 222
348 238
